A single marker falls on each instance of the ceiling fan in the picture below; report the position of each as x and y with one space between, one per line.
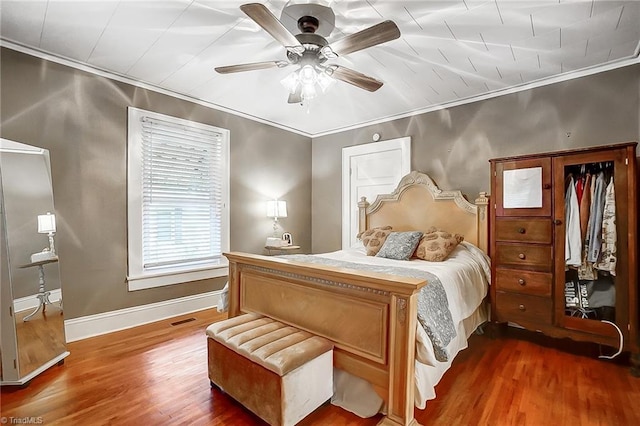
310 50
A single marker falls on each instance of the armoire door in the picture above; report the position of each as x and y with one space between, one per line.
591 224
523 187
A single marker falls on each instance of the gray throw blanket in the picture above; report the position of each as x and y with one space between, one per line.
433 306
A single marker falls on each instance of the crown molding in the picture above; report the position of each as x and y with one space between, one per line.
127 80
635 59
497 93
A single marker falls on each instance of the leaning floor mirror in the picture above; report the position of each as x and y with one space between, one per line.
31 309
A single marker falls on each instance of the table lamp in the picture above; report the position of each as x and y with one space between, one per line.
276 209
47 225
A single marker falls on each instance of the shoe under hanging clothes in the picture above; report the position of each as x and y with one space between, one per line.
591 299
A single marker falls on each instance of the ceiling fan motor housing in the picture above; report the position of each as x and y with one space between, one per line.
308 24
313 43
296 11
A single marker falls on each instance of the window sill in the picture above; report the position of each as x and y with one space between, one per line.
142 282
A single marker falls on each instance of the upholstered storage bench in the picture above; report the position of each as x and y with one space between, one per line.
279 372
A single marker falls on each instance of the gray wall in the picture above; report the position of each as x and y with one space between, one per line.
454 145
81 118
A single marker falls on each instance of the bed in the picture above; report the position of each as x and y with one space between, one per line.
372 316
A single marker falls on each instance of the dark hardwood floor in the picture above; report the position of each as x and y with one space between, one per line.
156 374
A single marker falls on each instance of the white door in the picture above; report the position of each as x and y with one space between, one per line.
368 170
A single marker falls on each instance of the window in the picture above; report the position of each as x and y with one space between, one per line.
177 194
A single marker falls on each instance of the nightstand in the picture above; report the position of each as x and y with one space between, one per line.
273 250
43 294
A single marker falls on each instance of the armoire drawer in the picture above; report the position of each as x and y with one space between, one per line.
526 282
528 256
527 230
532 309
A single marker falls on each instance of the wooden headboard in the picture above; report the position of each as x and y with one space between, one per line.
404 209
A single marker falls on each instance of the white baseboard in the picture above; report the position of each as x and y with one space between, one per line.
108 322
31 302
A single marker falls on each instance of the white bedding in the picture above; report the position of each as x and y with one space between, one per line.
465 276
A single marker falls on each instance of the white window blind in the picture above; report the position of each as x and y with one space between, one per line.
181 195
180 169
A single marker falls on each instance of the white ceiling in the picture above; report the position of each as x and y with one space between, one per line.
449 50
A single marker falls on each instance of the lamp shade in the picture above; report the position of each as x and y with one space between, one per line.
276 208
46 223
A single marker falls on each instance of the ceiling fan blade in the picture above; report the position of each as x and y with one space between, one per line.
354 77
377 34
296 97
263 17
250 67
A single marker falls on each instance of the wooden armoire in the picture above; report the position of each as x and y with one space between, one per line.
564 245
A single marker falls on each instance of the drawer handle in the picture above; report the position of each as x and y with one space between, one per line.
522 256
522 307
521 281
522 230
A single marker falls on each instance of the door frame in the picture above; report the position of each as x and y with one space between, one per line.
403 144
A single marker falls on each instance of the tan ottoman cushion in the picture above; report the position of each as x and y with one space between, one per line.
277 371
272 344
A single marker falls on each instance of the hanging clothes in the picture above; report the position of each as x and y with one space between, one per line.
585 205
608 251
573 239
579 187
595 223
586 271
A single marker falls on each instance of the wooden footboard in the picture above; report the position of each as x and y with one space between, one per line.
370 318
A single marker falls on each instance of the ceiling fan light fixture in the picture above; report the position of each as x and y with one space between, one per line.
308 92
308 75
307 82
330 69
290 82
324 81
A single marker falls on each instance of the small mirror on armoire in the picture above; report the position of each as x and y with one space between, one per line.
31 306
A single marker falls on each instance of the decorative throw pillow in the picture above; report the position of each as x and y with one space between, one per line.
400 245
373 238
436 245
